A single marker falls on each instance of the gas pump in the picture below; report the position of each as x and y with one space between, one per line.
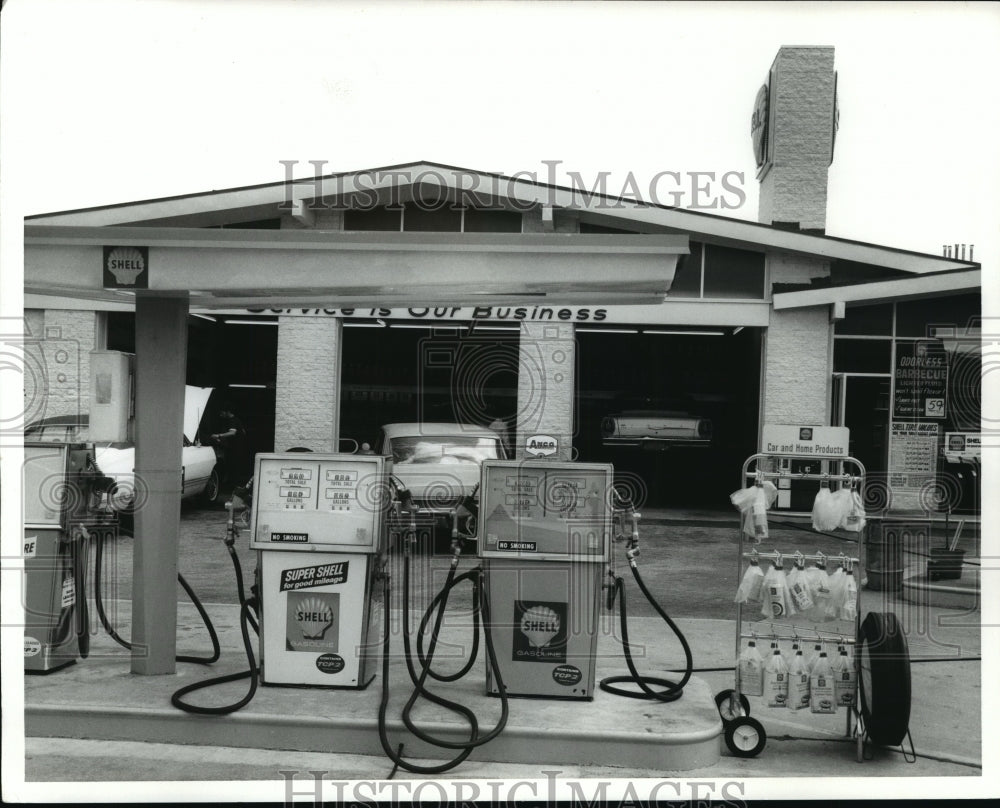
62 491
317 526
545 537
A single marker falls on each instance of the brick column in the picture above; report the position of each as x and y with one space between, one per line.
57 373
307 400
798 366
546 386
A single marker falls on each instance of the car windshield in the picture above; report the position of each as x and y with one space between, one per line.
451 449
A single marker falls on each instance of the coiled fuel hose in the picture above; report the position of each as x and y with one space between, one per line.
437 607
249 618
671 690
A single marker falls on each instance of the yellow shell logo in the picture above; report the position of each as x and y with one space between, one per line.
314 618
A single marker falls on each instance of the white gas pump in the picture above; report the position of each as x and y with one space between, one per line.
317 525
545 537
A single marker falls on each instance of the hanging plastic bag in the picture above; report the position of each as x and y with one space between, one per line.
826 513
819 588
753 503
750 586
798 588
836 600
854 517
775 599
849 607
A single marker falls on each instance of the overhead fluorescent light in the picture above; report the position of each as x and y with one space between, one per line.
684 333
379 324
737 330
609 330
420 325
204 317
250 322
256 386
479 327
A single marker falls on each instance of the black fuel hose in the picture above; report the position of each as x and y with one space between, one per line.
672 690
79 560
471 576
99 600
248 618
475 739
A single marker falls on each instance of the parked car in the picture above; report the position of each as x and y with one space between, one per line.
199 469
647 424
438 463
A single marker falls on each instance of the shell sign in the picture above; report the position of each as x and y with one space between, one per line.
126 268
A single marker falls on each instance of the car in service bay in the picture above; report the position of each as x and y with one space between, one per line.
199 464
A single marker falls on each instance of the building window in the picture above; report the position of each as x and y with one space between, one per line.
719 272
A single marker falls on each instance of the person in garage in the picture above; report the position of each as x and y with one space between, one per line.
230 440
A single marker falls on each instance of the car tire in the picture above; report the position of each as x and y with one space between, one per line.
212 488
885 679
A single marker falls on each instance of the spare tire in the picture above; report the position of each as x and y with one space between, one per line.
885 679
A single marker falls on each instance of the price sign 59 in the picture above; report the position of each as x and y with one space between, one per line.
934 408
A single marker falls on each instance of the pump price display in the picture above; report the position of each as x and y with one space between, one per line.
342 479
340 500
295 497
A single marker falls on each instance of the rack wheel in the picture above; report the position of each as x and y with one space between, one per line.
885 679
731 705
745 736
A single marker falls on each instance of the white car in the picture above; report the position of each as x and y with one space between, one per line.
199 471
651 427
439 463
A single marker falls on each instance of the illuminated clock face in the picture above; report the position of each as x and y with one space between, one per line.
758 126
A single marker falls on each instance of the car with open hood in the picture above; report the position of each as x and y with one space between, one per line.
199 464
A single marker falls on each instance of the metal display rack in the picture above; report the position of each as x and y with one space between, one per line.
745 736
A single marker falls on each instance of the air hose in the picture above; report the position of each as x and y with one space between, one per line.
439 603
248 619
99 600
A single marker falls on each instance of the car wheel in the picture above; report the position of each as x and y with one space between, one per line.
212 487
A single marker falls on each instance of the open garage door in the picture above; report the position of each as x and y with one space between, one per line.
674 408
426 372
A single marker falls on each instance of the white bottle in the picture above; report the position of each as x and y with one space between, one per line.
751 668
844 678
821 696
776 678
817 650
798 680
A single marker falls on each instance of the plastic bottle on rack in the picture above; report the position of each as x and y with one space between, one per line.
798 680
751 671
821 693
817 650
776 678
845 678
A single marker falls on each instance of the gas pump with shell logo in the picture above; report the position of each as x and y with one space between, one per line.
317 526
62 493
545 537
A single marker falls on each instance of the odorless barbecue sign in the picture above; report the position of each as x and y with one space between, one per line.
321 575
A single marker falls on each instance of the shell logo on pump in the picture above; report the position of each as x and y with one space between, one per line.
314 618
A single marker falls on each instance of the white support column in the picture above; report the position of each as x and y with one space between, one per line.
546 386
161 369
307 401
